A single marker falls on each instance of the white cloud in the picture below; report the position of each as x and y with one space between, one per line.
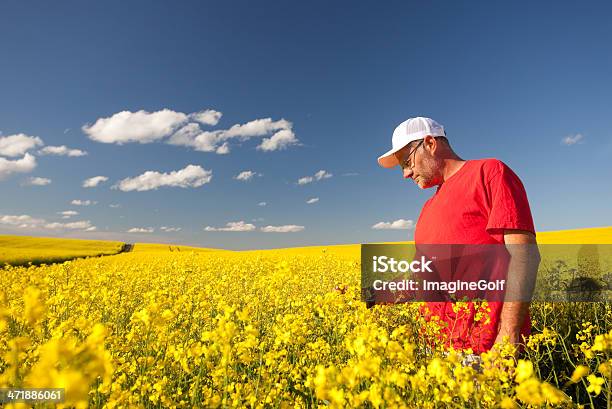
305 180
114 206
187 135
25 221
320 175
190 176
399 224
572 139
19 144
223 149
288 228
279 141
217 141
203 141
61 151
37 181
170 229
92 228
78 202
246 175
257 127
81 225
232 226
141 126
312 200
23 165
67 214
207 117
262 204
94 181
141 230
22 221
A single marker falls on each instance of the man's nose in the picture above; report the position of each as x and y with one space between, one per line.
407 172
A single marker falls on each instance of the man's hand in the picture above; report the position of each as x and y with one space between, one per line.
522 272
511 321
513 335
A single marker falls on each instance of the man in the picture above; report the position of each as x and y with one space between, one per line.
476 202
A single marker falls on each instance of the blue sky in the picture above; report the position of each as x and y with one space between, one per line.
510 81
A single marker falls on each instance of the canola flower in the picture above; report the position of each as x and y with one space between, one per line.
273 329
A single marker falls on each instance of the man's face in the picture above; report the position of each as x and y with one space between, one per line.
419 164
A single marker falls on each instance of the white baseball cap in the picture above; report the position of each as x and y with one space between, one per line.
410 130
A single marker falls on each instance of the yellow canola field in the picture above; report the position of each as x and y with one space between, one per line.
277 328
23 249
593 235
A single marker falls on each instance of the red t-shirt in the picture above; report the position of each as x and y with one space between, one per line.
474 206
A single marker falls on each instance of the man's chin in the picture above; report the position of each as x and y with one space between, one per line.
423 184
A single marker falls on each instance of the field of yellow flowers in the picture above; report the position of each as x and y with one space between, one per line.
271 329
17 250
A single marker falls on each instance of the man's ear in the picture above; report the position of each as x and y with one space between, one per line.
430 144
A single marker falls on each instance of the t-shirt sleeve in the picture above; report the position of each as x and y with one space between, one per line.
508 201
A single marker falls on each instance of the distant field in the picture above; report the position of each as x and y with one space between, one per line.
595 235
338 250
163 248
23 249
17 250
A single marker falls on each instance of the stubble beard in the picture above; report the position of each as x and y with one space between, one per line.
429 176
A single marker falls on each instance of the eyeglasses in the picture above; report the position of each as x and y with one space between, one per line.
407 163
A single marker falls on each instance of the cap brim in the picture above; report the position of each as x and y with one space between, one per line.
388 160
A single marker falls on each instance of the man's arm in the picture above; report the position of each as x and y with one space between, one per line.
522 271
